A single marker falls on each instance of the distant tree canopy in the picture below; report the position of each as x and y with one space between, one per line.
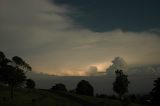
30 83
156 93
84 88
59 87
12 71
120 86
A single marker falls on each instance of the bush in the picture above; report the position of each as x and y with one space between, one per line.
30 83
59 87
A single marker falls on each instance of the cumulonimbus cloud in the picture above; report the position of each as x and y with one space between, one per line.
51 44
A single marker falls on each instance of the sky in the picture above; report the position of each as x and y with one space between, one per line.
81 37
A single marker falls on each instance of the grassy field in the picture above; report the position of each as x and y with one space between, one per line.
104 101
26 97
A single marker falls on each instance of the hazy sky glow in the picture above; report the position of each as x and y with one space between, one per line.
75 39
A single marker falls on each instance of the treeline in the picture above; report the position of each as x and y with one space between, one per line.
120 86
83 88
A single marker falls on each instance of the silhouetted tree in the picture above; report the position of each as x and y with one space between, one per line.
84 88
30 83
156 93
120 86
3 68
3 60
59 87
20 63
12 72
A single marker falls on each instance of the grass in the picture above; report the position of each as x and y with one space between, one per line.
103 101
28 97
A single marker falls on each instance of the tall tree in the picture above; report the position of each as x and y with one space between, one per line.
12 72
4 68
156 93
120 86
84 88
20 68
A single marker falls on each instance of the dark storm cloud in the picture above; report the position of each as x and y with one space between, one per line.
106 15
38 31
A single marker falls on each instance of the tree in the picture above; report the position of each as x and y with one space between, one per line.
30 83
20 63
84 88
156 93
59 87
120 86
3 68
12 72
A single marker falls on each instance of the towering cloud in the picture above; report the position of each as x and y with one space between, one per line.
117 64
